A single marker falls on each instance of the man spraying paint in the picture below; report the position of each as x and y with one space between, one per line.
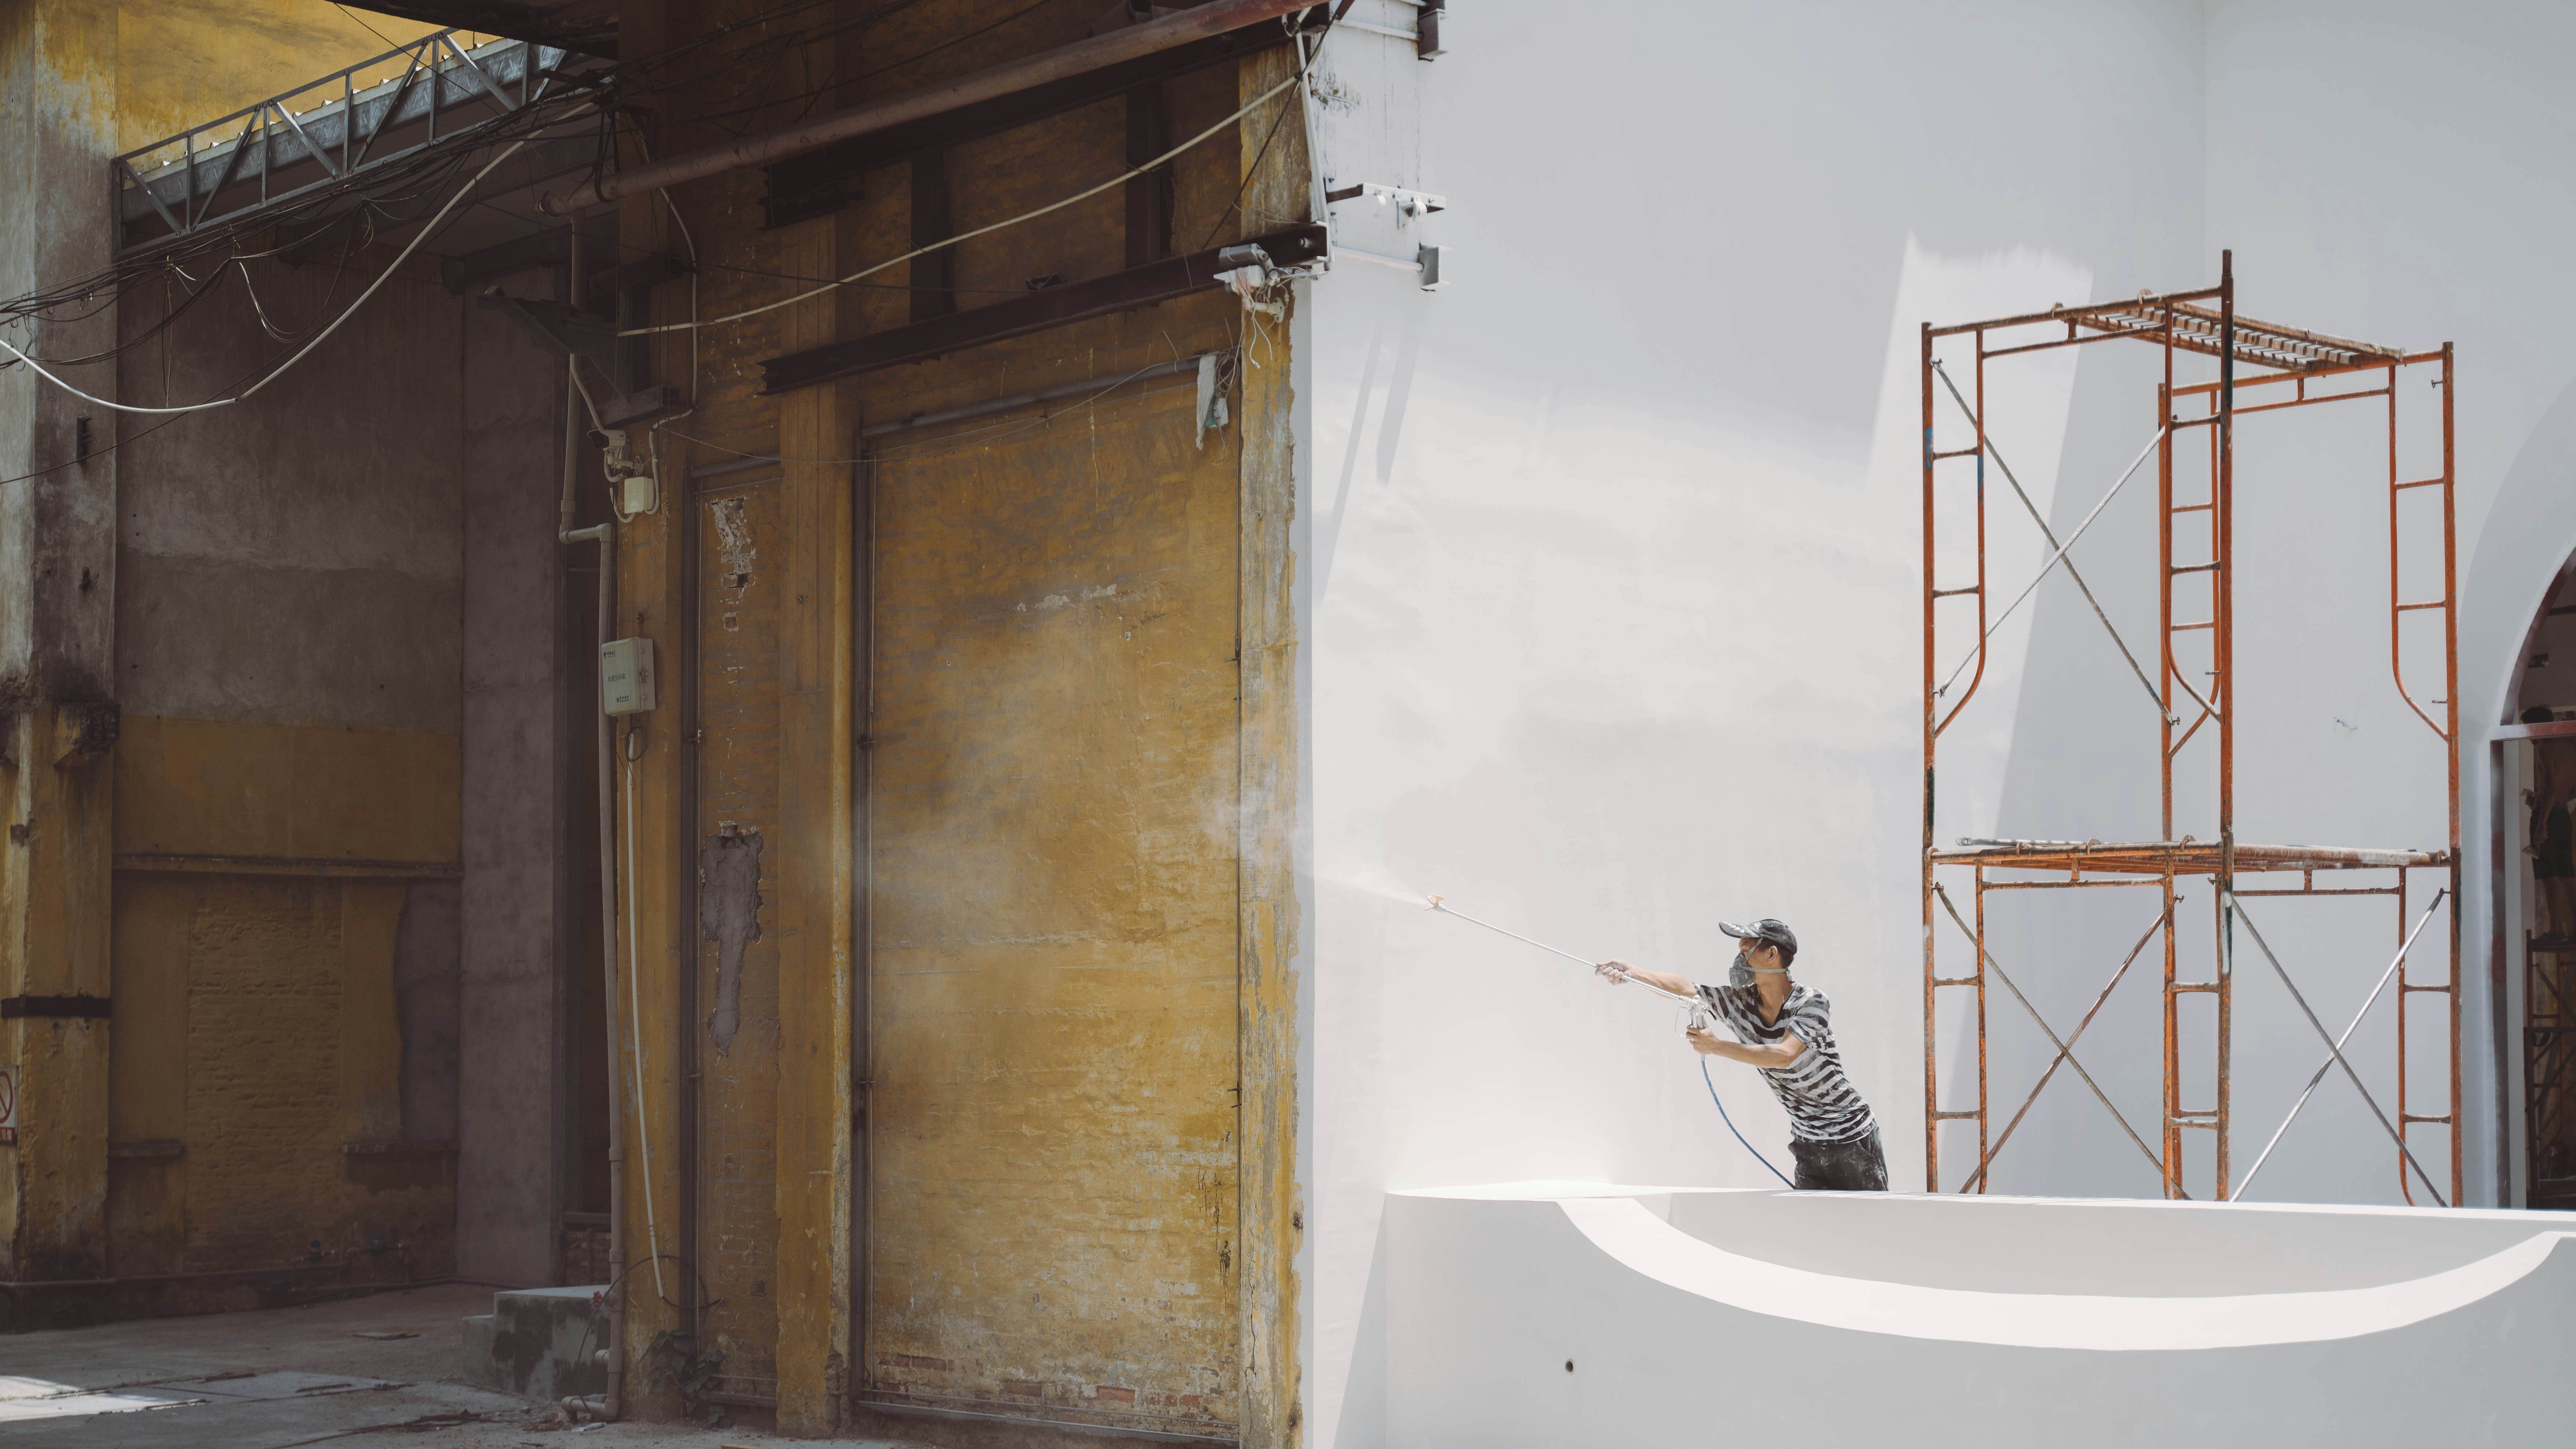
1786 1030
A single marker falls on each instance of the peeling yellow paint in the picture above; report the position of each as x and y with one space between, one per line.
255 1017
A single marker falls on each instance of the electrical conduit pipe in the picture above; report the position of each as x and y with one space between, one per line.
604 535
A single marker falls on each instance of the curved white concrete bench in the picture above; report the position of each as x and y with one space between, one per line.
1695 1316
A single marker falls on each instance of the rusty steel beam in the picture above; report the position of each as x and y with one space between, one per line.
990 84
1120 291
2190 857
826 179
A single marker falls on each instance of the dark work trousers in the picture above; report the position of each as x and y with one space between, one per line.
1854 1166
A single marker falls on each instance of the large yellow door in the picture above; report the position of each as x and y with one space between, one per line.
1052 776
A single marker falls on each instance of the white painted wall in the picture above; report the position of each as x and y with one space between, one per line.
2429 215
1613 549
1644 1317
1614 544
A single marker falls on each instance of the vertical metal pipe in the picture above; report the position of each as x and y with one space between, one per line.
2451 723
679 498
2404 1188
1984 1150
1983 1178
1923 861
2500 799
604 535
2397 668
1978 339
2223 524
863 517
2171 1136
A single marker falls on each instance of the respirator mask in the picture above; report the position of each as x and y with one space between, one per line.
1740 975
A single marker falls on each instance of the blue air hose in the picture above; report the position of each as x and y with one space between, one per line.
1730 1125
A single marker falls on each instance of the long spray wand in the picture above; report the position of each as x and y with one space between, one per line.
1437 904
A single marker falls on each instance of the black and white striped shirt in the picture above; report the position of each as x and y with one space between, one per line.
1819 1099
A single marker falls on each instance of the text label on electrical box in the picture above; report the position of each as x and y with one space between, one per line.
626 676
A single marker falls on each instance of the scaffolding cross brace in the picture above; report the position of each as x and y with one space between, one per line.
2261 367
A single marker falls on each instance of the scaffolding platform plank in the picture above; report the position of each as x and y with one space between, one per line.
2175 857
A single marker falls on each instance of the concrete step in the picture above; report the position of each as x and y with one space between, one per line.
542 1343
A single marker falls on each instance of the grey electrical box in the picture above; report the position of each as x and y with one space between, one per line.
626 676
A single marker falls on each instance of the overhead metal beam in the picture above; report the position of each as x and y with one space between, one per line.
588 26
993 83
1118 292
822 181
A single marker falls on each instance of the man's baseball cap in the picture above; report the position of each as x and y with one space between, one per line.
1765 929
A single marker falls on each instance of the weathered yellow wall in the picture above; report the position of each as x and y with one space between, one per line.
261 876
261 865
1053 769
184 63
1049 1143
311 792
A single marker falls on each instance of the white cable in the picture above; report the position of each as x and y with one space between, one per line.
864 272
635 1044
386 275
102 402
653 434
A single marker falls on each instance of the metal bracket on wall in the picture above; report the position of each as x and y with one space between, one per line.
1407 202
564 330
573 332
73 1008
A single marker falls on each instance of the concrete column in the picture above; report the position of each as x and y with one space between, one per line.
57 641
513 1076
816 873
1270 914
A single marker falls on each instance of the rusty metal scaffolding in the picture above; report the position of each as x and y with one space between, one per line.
2261 367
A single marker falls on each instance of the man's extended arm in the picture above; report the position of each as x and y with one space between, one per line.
1775 1056
1619 973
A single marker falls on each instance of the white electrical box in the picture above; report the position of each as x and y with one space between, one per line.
642 492
626 676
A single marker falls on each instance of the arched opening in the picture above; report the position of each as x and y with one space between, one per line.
2535 764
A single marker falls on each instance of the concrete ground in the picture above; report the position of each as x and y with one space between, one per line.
359 1368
